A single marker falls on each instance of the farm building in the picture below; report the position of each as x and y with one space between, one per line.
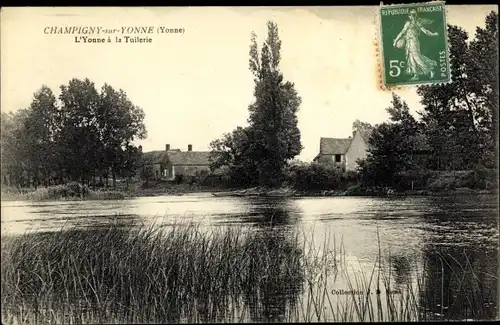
342 153
166 164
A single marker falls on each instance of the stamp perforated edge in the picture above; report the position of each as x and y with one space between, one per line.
379 50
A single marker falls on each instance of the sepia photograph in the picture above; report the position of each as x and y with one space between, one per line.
249 164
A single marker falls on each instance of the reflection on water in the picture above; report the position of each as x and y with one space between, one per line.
281 286
447 245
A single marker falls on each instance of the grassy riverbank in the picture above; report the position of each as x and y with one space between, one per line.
63 193
77 191
70 191
154 188
316 182
179 273
286 191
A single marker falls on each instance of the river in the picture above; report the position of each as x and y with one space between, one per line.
437 234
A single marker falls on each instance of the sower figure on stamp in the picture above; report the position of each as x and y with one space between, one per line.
417 63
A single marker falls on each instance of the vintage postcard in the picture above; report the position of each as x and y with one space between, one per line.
249 164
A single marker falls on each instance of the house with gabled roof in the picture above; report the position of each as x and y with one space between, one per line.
343 153
167 164
187 163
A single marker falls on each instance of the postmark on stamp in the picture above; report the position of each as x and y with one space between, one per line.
413 44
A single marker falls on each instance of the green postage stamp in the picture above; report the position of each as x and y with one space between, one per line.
413 44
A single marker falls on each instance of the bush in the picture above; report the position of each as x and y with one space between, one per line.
480 178
350 178
76 189
146 173
57 191
443 182
106 195
356 190
222 181
317 177
415 179
70 190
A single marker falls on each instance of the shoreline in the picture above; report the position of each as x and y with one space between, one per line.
290 192
464 191
269 193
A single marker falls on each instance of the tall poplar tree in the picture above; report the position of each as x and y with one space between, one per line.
273 115
261 150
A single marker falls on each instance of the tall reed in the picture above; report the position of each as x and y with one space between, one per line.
149 274
182 273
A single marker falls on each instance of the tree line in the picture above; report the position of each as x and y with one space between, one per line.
82 135
458 124
456 129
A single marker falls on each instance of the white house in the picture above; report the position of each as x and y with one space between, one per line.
342 153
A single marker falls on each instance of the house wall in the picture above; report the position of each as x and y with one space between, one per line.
156 169
357 150
187 170
329 160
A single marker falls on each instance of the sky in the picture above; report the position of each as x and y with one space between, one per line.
195 86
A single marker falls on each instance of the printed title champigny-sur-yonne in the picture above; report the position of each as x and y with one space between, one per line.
129 34
98 30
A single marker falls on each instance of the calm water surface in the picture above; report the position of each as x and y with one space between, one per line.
438 235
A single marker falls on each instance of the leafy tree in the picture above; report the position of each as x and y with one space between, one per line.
273 114
234 150
84 133
461 117
482 72
391 147
449 111
13 151
387 156
260 151
147 173
40 128
29 140
97 131
129 162
363 127
78 140
119 123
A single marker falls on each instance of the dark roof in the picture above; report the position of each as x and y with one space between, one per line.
196 158
157 156
333 146
153 157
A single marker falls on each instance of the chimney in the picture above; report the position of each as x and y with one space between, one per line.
167 147
190 147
